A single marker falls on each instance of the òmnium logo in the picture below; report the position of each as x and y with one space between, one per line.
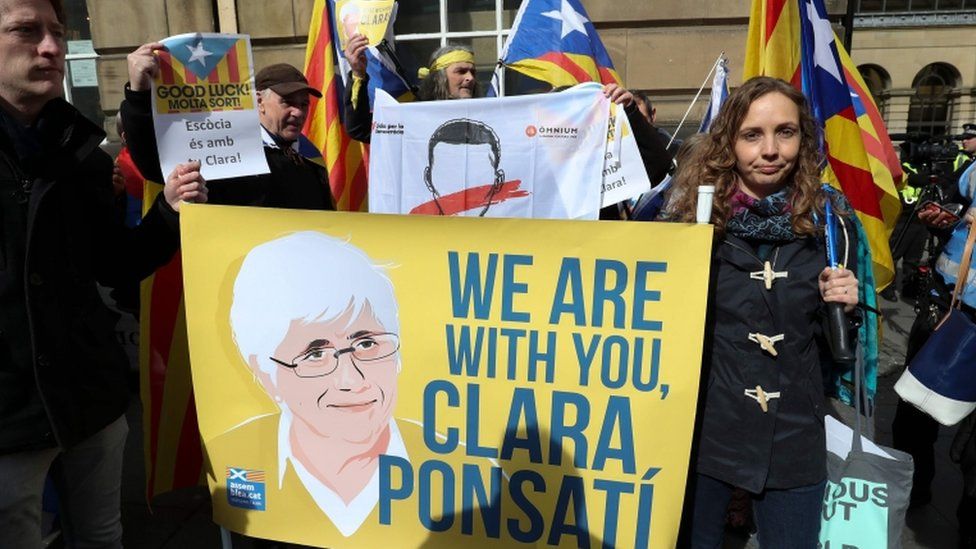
553 132
245 488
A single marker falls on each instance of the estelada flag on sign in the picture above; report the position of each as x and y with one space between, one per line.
204 72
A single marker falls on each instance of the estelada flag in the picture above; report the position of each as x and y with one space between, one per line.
861 160
344 157
171 437
554 41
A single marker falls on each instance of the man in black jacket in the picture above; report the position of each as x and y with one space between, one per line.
62 372
283 104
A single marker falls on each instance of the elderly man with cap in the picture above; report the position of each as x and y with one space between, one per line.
283 102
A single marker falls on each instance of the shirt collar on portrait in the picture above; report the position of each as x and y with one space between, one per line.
346 518
270 141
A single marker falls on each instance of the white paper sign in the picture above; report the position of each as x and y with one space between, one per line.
204 106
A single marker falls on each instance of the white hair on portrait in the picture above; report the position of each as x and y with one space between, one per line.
307 276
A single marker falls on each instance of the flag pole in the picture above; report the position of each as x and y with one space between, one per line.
496 79
695 100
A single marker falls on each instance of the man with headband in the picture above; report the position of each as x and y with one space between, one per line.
451 74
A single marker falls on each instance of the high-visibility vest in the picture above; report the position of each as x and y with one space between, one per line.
961 159
910 194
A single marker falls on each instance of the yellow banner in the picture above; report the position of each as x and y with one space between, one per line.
367 17
372 380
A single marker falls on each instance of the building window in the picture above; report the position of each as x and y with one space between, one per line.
80 78
930 110
422 26
904 6
878 82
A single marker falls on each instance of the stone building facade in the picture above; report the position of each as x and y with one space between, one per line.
664 47
920 62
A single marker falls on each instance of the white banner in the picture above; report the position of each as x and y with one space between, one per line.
539 156
624 176
204 106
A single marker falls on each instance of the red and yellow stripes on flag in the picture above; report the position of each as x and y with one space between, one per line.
171 439
565 69
849 169
344 157
880 150
886 175
861 160
773 43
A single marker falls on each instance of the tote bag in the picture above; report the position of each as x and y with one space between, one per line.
941 380
868 486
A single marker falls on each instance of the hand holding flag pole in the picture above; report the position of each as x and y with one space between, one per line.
840 341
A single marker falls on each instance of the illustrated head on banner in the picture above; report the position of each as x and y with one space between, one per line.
465 132
763 141
283 93
316 322
451 74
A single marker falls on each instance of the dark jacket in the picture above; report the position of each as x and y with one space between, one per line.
62 370
652 147
358 119
737 442
293 182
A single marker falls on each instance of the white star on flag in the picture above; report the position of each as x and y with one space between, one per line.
823 37
198 54
572 20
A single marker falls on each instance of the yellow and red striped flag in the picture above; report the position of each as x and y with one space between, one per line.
345 158
171 438
861 160
773 43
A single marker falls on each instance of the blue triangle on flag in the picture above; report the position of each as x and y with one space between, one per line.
200 54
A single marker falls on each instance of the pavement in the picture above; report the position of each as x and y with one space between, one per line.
181 519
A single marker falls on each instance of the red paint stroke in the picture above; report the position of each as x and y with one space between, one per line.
475 198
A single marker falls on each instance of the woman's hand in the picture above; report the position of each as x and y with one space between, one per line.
839 286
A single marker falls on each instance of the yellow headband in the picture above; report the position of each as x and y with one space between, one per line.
446 60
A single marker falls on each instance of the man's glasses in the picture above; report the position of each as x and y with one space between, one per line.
322 361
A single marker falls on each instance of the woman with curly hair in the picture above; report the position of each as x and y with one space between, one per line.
760 421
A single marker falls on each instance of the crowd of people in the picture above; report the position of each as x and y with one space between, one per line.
760 424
